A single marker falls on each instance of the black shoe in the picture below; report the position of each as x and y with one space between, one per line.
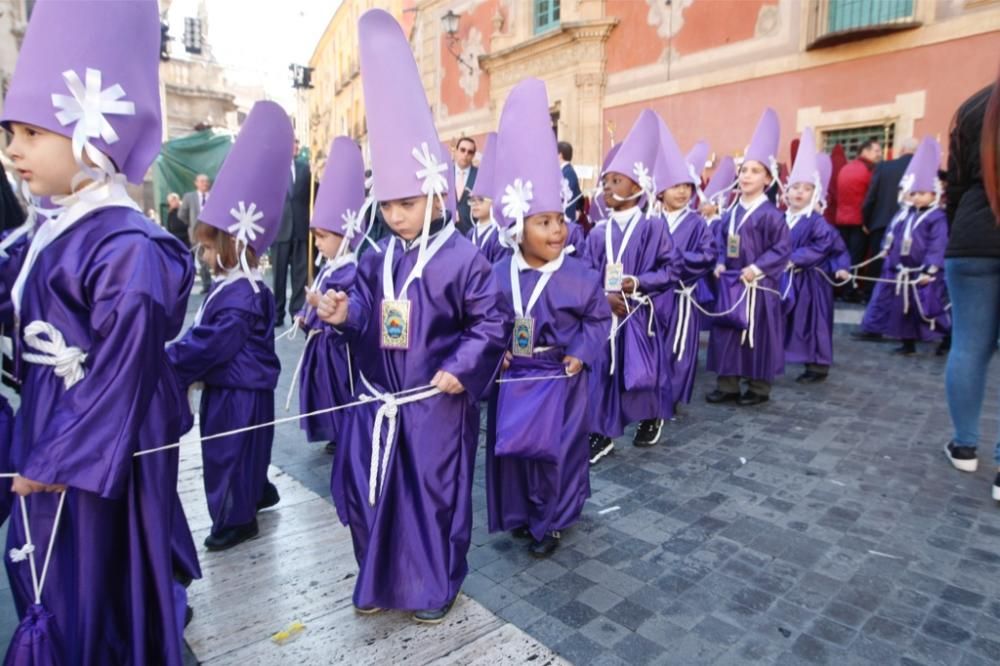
648 433
810 377
546 546
330 448
521 533
717 397
963 458
867 337
231 536
751 399
600 446
943 347
269 498
188 616
434 615
906 349
996 488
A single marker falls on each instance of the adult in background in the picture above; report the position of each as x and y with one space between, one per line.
465 178
175 225
852 187
575 206
972 269
290 252
191 205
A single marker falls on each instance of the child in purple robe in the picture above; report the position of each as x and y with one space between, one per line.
753 247
430 327
537 476
910 303
230 346
676 179
89 303
809 323
635 255
326 369
486 233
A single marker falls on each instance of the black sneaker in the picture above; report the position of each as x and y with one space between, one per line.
963 458
866 337
269 498
718 397
600 446
752 399
330 448
908 348
434 615
648 433
231 536
996 488
521 533
546 546
810 377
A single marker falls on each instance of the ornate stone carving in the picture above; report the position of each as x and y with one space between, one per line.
768 21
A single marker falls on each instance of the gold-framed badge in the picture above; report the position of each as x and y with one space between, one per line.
614 276
395 324
733 246
524 336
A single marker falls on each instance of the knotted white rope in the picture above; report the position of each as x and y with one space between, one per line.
685 299
28 550
616 325
66 361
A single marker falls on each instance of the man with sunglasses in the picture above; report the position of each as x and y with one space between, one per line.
465 179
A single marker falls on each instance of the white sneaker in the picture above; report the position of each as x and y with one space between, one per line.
963 458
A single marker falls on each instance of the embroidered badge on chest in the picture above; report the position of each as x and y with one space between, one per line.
614 275
733 246
524 336
907 246
395 324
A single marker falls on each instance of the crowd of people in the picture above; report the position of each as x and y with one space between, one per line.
571 336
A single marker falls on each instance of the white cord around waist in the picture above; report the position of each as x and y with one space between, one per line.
67 362
685 298
298 367
641 300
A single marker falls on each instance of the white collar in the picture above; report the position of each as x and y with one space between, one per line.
624 217
550 267
753 204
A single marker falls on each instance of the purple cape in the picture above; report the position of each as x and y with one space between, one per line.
572 316
809 324
411 545
116 286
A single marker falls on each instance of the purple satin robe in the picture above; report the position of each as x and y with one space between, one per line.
764 242
576 238
116 286
231 351
885 312
572 316
411 545
696 244
809 325
325 378
488 241
650 257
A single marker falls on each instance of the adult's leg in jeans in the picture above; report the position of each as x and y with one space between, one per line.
280 253
974 287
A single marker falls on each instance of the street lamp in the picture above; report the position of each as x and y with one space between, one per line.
449 24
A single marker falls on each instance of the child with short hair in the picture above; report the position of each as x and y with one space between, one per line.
635 254
537 477
230 346
97 293
753 252
910 304
486 233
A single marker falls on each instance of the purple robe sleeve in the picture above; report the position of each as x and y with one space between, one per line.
94 427
777 246
10 266
210 345
486 329
816 247
937 242
840 258
595 322
700 260
666 259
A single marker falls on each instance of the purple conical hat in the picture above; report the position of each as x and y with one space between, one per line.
671 166
612 151
921 174
248 197
824 165
637 155
696 159
483 187
527 178
806 167
89 70
406 156
342 191
723 178
764 144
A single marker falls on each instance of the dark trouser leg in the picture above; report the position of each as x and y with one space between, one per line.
856 242
280 254
759 386
728 384
299 260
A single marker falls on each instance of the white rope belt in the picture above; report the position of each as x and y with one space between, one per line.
67 362
685 298
387 413
641 300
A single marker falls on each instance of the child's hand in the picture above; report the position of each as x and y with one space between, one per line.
332 307
924 280
573 365
447 382
842 275
720 269
312 297
25 487
507 358
748 275
617 303
628 285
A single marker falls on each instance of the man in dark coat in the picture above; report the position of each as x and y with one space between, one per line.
575 206
290 251
465 179
882 201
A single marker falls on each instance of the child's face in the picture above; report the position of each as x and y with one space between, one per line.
327 242
754 178
799 195
480 208
406 216
43 159
676 197
922 199
708 210
544 237
619 190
